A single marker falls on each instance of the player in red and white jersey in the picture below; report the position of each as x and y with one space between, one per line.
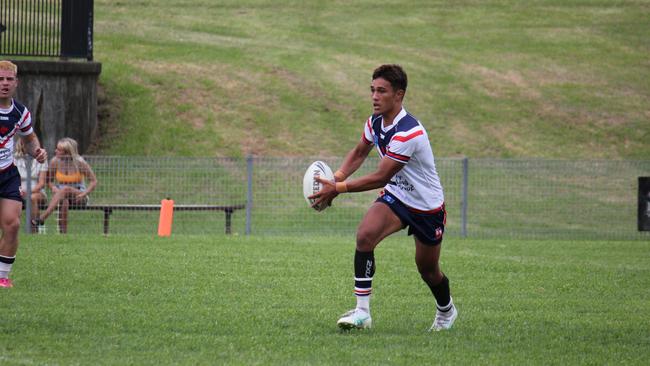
412 197
14 120
417 184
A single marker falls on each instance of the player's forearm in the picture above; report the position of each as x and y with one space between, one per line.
351 163
365 183
32 145
385 171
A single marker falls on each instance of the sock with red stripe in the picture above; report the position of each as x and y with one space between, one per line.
364 270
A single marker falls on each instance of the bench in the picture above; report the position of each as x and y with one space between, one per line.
109 208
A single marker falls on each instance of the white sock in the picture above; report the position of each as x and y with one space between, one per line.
363 303
5 268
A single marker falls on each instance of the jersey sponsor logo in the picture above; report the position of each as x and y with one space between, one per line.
4 118
5 153
404 184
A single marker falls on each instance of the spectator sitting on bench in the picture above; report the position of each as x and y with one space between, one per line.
66 177
36 175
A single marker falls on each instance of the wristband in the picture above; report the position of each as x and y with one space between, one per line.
339 175
341 187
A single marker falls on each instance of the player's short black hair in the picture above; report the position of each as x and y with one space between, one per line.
392 73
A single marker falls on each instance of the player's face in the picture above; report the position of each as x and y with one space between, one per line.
384 98
8 83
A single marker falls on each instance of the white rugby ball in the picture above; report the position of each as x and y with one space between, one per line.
309 183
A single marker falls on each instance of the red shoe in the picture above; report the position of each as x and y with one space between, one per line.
5 282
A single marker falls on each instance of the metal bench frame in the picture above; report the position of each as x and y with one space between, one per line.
109 208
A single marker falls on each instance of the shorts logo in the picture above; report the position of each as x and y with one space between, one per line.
388 198
438 233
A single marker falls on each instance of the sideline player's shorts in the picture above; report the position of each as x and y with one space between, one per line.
10 184
428 227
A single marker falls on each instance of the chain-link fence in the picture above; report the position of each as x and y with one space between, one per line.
485 198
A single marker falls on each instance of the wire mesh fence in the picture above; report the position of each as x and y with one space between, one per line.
485 198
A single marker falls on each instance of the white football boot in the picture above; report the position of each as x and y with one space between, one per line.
355 319
444 319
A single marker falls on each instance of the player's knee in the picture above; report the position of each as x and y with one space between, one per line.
366 240
426 269
11 225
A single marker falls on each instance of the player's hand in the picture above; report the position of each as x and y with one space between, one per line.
41 155
326 194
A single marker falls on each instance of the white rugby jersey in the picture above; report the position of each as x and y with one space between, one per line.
14 120
417 185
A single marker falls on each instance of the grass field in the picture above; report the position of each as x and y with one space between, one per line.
489 78
82 300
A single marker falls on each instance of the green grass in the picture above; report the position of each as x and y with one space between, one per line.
140 300
546 78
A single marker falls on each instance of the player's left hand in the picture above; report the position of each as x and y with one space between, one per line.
326 194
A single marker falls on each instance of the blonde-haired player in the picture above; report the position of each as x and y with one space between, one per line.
15 119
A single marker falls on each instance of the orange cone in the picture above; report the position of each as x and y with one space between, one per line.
166 217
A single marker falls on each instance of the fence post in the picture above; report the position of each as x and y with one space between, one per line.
463 208
77 28
28 194
643 216
249 192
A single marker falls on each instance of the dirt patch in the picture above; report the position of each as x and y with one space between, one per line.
498 84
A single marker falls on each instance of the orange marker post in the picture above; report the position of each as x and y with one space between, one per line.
166 217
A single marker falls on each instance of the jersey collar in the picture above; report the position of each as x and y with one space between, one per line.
7 110
397 118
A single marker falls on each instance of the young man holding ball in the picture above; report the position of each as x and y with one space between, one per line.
412 197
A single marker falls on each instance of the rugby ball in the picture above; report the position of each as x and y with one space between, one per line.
309 183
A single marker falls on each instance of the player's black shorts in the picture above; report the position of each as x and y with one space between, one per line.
428 227
10 184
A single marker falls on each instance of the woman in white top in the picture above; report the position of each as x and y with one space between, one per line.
37 176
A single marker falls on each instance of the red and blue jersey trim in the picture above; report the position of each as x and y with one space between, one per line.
397 157
409 136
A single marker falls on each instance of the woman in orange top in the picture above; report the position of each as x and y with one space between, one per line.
70 171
